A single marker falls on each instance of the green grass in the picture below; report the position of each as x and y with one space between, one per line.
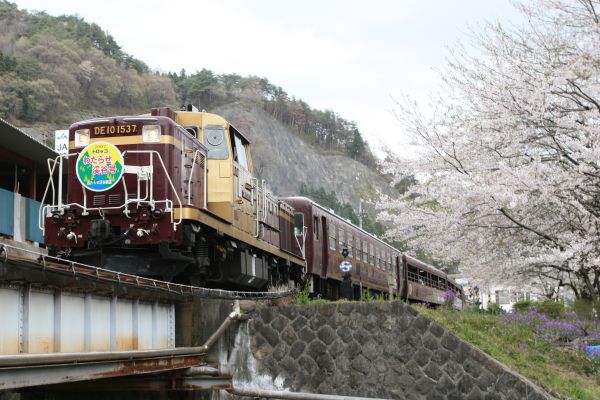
565 374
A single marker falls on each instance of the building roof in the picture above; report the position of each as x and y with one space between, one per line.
18 142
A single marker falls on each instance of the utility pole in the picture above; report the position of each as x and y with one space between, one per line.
360 213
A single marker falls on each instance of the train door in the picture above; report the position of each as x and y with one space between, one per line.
324 247
404 271
399 276
244 207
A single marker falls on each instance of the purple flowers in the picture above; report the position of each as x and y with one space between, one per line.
563 330
448 298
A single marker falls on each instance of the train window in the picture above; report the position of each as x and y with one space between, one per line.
240 152
298 224
371 254
413 274
192 130
332 238
365 249
350 247
214 140
316 227
423 277
442 284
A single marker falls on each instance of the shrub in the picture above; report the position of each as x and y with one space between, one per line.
552 309
586 309
303 297
522 306
494 309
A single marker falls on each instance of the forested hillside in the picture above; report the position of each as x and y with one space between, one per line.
55 69
53 66
325 129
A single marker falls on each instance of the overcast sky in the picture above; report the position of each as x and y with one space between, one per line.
349 56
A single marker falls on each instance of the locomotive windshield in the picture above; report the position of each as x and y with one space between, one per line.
298 224
240 152
214 140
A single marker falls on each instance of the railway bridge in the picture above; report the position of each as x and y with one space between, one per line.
64 322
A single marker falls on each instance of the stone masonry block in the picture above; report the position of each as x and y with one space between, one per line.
326 334
454 370
326 364
450 342
441 356
371 323
306 335
326 310
436 330
466 384
315 349
361 335
280 351
472 368
279 323
289 335
299 323
430 342
344 333
353 349
297 349
422 356
414 369
475 394
433 371
421 323
361 364
425 385
307 364
270 334
267 314
372 350
486 380
337 347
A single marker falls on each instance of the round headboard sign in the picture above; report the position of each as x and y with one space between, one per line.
99 166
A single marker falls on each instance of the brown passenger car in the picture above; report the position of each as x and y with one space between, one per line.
376 266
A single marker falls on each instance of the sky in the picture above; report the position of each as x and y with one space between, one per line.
350 56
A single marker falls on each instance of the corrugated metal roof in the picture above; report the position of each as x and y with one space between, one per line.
16 141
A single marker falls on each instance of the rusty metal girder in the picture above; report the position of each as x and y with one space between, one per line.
20 377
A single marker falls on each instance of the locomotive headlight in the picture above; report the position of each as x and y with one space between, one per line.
82 137
151 133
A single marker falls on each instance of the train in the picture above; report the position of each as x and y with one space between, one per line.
172 195
376 267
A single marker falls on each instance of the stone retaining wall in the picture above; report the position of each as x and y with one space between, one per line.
381 349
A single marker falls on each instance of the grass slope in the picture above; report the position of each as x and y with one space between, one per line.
565 374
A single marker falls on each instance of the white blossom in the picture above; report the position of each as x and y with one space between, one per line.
509 177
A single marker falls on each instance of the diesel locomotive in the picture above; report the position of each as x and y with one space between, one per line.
172 195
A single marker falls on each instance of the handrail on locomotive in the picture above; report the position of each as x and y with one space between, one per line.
144 174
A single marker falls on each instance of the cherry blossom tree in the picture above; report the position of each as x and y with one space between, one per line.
509 170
